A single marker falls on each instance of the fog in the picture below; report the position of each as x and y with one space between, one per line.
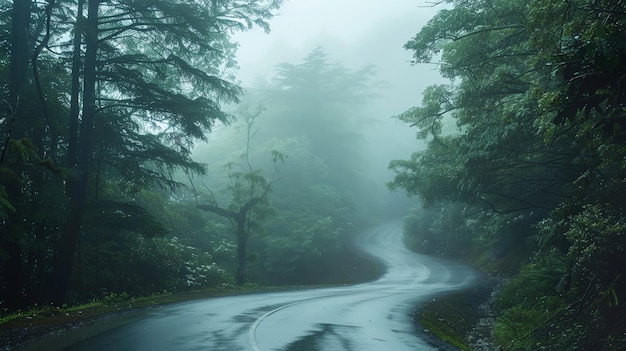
354 35
155 149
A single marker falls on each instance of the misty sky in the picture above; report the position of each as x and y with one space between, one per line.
354 33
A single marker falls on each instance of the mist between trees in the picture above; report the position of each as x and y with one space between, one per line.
115 184
115 180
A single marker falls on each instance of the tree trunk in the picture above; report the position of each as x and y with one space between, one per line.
75 92
20 27
242 246
241 232
11 284
80 183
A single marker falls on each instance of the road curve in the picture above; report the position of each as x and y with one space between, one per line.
370 316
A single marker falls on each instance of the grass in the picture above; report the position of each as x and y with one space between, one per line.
452 317
46 312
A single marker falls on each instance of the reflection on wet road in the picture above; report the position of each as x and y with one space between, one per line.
371 316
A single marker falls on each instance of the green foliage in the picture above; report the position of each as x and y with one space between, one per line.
439 230
596 243
109 298
295 247
123 216
88 187
436 105
139 266
433 174
531 301
537 162
5 205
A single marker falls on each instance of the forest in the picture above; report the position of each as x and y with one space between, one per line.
524 172
134 164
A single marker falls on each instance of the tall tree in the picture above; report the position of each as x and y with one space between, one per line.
147 80
539 106
249 189
79 185
153 65
20 38
23 135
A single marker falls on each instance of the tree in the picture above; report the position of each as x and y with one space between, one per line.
586 97
502 166
145 81
19 47
539 150
170 81
314 112
249 189
323 102
27 174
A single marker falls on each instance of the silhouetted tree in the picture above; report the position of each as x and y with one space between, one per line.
145 80
249 189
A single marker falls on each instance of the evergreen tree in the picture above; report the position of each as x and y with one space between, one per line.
145 80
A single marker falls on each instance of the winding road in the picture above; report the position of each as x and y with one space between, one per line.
370 316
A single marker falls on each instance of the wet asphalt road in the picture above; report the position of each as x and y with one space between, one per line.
370 316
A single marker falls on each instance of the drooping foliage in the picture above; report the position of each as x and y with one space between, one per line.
537 160
102 101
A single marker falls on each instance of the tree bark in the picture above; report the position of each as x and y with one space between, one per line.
20 25
242 248
11 283
72 140
79 185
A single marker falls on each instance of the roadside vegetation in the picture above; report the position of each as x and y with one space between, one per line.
523 175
